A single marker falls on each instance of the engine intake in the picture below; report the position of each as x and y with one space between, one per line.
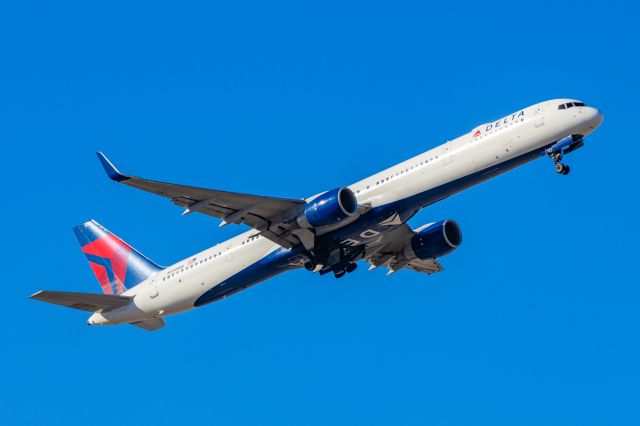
436 240
329 208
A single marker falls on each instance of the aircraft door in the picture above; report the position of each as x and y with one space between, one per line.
228 254
445 153
153 289
539 116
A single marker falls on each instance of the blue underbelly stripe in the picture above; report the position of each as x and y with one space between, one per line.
280 260
273 264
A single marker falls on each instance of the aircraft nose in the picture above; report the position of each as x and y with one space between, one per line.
598 116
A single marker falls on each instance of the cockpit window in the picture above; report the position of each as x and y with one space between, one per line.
571 105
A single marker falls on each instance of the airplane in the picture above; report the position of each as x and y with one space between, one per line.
327 233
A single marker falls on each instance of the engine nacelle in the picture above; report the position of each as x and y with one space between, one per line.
329 208
436 240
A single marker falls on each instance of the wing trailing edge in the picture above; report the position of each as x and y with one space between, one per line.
271 216
151 324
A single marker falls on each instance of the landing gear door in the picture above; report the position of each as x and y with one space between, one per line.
153 289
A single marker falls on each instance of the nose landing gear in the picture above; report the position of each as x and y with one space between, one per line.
561 148
556 156
563 169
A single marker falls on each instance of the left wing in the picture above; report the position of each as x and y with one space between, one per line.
389 253
271 216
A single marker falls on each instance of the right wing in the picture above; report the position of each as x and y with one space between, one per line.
389 253
91 302
271 216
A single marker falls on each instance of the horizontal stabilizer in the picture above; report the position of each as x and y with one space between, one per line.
151 324
91 302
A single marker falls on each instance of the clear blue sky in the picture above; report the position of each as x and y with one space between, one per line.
535 320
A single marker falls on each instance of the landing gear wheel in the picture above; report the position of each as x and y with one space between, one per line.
559 168
339 274
562 169
351 267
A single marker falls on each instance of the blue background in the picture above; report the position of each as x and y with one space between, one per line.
535 320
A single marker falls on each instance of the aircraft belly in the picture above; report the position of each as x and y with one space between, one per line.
251 273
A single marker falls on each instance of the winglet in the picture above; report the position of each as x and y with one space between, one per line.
111 170
35 295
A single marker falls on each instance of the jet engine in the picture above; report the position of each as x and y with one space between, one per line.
329 208
435 240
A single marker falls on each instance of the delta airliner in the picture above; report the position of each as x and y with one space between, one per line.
327 233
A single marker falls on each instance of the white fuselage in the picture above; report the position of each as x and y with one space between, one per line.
176 288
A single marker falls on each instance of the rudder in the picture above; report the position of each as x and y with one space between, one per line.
116 264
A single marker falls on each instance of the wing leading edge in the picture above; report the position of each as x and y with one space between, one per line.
269 215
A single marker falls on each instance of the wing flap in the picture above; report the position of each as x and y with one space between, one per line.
90 302
150 324
429 266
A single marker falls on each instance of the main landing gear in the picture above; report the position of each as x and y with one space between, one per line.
340 271
339 260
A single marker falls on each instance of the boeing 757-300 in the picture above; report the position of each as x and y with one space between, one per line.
327 233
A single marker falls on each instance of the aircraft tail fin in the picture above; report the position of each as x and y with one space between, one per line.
116 264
